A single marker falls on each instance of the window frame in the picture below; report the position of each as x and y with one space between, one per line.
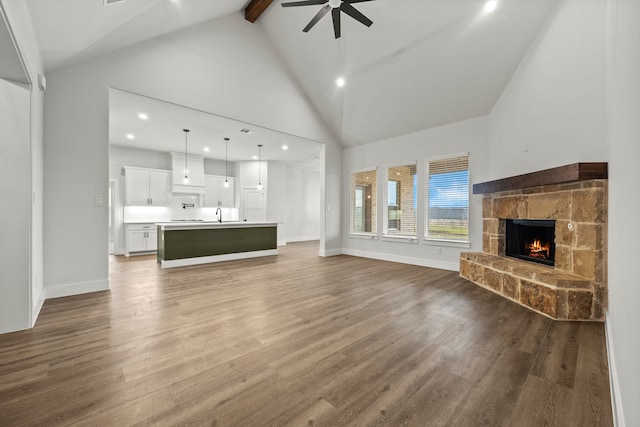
385 212
425 217
352 186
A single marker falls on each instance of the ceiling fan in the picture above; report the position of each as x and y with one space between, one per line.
335 6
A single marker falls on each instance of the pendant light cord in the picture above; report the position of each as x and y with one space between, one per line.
186 132
226 159
259 165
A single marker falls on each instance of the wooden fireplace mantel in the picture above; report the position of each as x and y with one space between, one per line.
560 175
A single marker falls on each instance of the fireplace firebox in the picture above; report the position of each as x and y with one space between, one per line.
531 240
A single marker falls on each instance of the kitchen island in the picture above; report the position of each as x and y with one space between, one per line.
190 243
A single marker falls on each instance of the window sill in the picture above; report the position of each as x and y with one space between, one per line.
363 236
400 239
449 243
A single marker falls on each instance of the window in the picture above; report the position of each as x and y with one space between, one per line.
393 205
363 203
447 213
400 212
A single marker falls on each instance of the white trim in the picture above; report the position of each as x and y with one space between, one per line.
352 193
431 263
282 243
399 239
302 239
330 252
449 243
374 168
446 156
425 213
76 288
614 383
385 194
217 258
363 236
35 310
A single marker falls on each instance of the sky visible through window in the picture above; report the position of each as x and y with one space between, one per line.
449 190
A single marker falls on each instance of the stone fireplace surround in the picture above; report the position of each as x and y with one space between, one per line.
576 197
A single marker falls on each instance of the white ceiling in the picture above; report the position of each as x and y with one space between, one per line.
423 63
163 131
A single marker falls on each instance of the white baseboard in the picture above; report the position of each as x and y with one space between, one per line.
614 383
76 288
37 306
282 243
302 239
330 252
217 258
432 263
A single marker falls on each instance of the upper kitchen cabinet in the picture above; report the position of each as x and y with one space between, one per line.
146 187
216 194
194 181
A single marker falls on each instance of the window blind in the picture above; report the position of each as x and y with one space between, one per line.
447 216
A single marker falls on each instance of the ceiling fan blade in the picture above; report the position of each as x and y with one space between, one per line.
304 3
335 13
325 9
355 1
355 14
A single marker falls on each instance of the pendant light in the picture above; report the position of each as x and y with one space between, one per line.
259 167
226 162
186 170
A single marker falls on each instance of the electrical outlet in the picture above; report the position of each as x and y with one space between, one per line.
525 147
438 250
98 202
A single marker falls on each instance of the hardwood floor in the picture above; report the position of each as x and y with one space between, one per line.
303 341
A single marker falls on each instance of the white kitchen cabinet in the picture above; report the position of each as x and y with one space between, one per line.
216 194
140 238
195 173
144 187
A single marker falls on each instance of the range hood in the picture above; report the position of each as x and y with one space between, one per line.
194 171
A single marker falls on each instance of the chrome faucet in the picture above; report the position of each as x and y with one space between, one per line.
219 218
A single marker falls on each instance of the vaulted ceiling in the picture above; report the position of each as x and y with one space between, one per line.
423 63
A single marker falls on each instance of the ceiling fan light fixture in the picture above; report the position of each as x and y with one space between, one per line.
335 7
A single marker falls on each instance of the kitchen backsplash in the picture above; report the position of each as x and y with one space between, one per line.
177 211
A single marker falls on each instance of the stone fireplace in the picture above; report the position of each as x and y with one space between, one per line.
556 262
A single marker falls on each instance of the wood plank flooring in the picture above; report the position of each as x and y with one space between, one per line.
299 340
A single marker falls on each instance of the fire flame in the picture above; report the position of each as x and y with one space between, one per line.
538 250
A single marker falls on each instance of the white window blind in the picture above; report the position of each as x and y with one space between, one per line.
447 215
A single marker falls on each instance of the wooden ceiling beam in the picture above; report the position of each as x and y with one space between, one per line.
255 9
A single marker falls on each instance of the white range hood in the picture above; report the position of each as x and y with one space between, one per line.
194 170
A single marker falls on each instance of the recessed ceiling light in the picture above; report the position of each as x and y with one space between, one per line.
490 6
255 157
130 136
340 82
143 116
285 147
207 149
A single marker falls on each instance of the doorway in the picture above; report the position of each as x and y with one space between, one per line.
254 207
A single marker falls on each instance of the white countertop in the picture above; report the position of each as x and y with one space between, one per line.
187 225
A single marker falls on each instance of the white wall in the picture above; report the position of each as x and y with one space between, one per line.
467 136
277 198
15 189
623 317
211 67
21 176
302 216
555 102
